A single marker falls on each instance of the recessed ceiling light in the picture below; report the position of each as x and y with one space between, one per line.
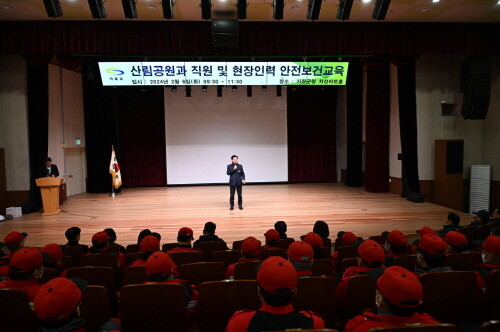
294 7
152 7
8 7
435 1
422 9
366 1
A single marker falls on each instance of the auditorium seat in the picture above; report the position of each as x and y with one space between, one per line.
327 252
266 253
75 252
284 243
168 246
490 326
219 300
406 261
327 242
134 275
378 238
323 266
196 273
15 312
470 234
131 257
153 308
347 263
449 296
133 248
94 308
210 246
108 260
418 328
48 274
66 261
360 296
187 257
246 270
227 257
491 306
345 252
237 245
317 294
483 231
466 261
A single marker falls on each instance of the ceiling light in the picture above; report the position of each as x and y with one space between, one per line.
367 1
422 9
435 1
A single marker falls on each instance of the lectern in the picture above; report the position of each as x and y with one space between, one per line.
50 188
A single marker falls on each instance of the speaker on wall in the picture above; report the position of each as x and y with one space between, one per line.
225 33
97 8
475 82
53 8
313 9
129 8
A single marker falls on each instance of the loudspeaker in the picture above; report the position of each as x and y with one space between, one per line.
241 7
415 197
168 9
313 9
380 10
475 83
97 8
225 33
53 8
278 6
206 9
129 8
344 9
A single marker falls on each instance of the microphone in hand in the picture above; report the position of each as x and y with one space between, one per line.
235 166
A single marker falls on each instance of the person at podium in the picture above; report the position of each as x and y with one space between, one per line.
49 170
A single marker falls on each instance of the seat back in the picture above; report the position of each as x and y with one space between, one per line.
449 296
490 326
133 248
360 296
406 261
66 261
168 246
108 260
266 253
466 261
492 303
15 311
483 231
48 274
317 294
75 252
227 257
327 242
187 257
131 257
196 273
95 275
208 247
284 243
246 270
470 234
323 266
219 300
347 263
418 328
378 238
153 308
94 308
133 275
345 252
237 245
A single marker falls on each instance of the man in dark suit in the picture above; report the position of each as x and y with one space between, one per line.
49 170
236 179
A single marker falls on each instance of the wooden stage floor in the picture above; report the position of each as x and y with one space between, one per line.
166 209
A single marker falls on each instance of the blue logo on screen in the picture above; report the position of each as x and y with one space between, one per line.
115 71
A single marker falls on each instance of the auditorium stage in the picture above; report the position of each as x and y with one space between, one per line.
166 209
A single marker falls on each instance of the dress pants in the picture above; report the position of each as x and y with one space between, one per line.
231 195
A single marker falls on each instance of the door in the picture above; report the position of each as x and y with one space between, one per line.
75 170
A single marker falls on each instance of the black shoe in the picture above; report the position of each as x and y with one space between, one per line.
231 208
241 207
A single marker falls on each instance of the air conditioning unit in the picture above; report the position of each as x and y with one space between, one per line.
480 176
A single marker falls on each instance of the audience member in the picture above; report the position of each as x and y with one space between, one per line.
73 236
277 285
301 255
53 259
184 238
272 236
100 245
112 240
495 217
13 242
149 245
481 217
316 242
395 246
250 249
452 224
421 232
208 234
321 228
25 268
142 234
431 251
399 295
457 242
491 260
281 227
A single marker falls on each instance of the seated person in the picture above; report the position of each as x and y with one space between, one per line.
53 259
421 232
184 238
112 240
100 245
491 260
481 217
301 255
316 242
452 224
149 245
13 242
370 257
142 234
399 295
272 236
250 249
25 268
208 234
347 239
321 228
73 236
495 217
281 227
277 285
457 242
431 252
395 246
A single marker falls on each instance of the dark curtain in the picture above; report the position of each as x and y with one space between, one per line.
38 120
132 120
311 115
408 125
377 126
354 171
256 38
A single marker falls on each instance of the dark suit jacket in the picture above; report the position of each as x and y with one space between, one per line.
236 176
53 171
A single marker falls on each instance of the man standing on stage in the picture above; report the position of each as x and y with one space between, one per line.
236 179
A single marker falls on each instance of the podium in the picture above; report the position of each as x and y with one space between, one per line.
50 188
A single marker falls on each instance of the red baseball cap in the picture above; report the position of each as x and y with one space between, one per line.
348 238
272 234
300 251
57 299
14 238
371 252
150 243
277 276
55 252
401 287
313 239
455 239
492 244
251 246
160 262
397 238
186 231
100 238
426 230
26 259
432 244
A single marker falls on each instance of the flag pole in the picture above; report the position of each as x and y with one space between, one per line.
112 194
